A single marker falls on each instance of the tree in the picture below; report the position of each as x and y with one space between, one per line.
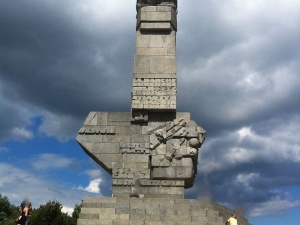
8 212
4 208
50 214
76 212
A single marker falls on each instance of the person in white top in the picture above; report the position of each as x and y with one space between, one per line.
232 220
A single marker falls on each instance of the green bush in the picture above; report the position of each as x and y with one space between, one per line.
48 214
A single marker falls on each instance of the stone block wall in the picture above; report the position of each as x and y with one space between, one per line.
154 76
148 211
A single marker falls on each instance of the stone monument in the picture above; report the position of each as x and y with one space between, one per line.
152 151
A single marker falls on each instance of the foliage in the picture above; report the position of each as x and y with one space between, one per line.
76 212
48 214
8 212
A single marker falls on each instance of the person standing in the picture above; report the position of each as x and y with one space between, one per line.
25 208
232 220
28 209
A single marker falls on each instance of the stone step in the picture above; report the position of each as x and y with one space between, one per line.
89 216
141 222
156 222
207 219
129 211
98 210
212 213
163 202
128 222
114 217
142 202
156 211
141 215
94 222
100 200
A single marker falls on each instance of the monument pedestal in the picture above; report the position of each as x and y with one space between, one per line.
153 211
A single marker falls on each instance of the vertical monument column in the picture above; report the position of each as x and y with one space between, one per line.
154 77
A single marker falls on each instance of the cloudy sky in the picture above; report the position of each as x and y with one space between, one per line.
238 74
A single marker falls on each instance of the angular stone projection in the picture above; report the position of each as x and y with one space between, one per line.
152 151
143 149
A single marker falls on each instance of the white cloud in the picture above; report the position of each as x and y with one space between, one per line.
245 145
17 183
21 133
51 161
245 131
16 113
276 206
246 179
68 210
95 173
93 187
63 127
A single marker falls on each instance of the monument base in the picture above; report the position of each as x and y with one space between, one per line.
153 211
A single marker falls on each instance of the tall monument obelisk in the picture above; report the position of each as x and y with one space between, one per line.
152 151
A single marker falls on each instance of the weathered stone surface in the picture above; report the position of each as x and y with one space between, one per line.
128 173
155 16
119 123
159 14
116 138
97 130
129 129
94 222
139 138
142 64
102 148
135 158
109 157
164 5
150 94
159 27
165 142
92 119
119 116
156 51
155 58
88 216
155 76
133 165
142 41
163 64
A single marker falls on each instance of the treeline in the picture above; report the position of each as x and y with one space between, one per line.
48 214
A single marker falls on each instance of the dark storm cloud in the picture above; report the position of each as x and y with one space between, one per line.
250 184
248 78
55 65
238 75
248 168
62 64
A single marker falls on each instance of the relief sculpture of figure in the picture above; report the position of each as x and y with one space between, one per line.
142 3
